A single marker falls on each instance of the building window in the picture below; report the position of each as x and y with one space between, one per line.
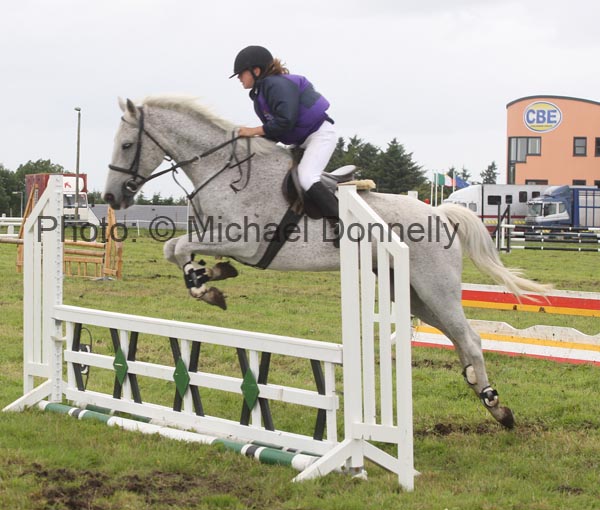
579 146
522 146
536 181
534 146
597 147
508 199
511 174
535 194
522 197
494 200
597 184
579 182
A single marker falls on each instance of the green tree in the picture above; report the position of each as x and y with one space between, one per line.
141 199
396 172
41 166
490 174
357 152
95 197
10 198
338 158
464 174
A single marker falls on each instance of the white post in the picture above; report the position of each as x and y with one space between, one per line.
42 291
52 268
351 326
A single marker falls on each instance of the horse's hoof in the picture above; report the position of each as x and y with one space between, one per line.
214 296
223 270
506 418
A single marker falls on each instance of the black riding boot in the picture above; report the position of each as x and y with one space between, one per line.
327 203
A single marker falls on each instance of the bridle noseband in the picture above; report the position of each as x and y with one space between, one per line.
132 186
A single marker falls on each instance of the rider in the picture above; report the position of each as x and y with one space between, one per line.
294 113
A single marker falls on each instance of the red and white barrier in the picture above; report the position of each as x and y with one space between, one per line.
549 342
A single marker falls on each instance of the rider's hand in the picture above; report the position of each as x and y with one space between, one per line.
248 131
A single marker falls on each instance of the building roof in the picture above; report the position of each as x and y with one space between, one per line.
541 96
143 215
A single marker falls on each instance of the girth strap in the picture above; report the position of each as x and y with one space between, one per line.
284 230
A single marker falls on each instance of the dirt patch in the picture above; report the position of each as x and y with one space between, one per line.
567 489
430 363
91 490
482 428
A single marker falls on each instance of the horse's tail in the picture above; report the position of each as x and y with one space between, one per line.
477 243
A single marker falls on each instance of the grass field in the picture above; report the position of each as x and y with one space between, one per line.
550 460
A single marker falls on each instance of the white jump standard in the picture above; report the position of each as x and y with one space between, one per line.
380 407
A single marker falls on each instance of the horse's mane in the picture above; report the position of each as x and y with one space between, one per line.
190 105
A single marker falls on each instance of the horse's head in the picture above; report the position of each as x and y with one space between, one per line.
134 158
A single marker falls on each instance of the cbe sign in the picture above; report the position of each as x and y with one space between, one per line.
542 116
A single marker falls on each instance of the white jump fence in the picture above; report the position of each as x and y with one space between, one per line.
519 237
9 227
374 355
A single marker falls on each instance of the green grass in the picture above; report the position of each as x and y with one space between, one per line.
551 460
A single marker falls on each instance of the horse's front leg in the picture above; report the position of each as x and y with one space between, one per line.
181 250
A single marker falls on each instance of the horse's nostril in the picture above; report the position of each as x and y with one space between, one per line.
109 197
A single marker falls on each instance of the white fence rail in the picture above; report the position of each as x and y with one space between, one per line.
10 226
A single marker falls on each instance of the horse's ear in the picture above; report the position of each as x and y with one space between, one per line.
131 107
128 107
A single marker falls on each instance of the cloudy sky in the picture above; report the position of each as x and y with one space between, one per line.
434 74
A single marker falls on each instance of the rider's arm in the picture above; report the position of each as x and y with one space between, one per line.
283 98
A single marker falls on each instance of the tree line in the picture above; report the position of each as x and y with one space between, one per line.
12 187
393 170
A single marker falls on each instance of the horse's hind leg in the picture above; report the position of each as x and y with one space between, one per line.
451 320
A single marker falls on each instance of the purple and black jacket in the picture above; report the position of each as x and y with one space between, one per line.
289 108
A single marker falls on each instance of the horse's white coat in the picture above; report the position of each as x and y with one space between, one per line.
184 129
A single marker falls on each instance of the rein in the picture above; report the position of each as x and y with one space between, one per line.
131 186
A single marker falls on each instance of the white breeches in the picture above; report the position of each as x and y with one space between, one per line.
318 149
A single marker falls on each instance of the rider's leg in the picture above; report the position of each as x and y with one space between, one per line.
318 149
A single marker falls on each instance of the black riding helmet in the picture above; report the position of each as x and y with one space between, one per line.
250 57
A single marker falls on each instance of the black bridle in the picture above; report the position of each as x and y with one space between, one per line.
132 186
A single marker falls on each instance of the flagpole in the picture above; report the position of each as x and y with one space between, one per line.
436 187
431 193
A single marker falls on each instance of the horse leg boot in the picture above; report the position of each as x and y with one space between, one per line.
328 204
489 398
195 277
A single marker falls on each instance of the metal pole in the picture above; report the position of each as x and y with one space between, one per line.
78 110
21 194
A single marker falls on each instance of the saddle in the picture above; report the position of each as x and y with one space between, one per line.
299 202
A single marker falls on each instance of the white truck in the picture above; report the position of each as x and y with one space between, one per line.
484 199
38 182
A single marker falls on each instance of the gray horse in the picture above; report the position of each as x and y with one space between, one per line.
236 194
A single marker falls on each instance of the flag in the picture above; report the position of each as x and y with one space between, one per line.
443 180
460 183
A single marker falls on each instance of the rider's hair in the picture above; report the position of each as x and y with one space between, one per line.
276 67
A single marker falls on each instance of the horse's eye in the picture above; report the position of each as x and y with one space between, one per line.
126 145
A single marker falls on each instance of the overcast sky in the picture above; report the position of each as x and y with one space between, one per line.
434 74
